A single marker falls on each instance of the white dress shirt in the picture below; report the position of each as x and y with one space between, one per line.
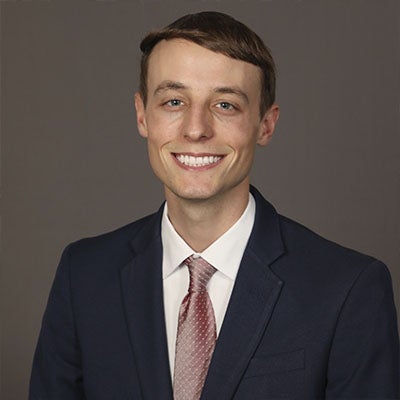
225 255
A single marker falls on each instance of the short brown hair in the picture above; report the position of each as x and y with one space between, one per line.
220 33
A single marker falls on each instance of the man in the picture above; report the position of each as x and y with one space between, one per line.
216 295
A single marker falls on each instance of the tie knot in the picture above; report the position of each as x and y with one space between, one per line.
200 273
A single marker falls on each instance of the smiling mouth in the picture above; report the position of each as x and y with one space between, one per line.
197 161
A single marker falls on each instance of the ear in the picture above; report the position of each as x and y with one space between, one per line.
141 115
267 125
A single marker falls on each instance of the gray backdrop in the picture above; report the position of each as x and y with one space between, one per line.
73 164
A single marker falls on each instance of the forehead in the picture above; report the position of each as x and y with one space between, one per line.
194 66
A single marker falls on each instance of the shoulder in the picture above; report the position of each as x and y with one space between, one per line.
304 255
299 239
112 249
313 257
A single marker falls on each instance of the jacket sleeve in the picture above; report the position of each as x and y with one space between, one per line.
56 372
364 357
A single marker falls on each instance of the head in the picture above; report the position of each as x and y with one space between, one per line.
206 100
222 34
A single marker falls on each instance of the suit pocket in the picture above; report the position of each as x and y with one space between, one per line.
278 363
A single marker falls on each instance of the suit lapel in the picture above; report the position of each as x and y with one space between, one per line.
142 290
252 301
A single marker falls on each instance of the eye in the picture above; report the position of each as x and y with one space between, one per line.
224 105
173 103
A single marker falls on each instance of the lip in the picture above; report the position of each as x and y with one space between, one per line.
198 156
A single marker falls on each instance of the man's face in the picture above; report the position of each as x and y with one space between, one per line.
202 120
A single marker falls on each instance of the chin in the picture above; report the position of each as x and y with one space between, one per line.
194 193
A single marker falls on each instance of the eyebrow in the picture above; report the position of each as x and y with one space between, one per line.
169 85
232 90
173 85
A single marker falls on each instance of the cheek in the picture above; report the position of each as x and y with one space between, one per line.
152 151
157 145
243 137
156 160
162 130
159 117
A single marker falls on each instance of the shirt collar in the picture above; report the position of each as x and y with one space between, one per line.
225 254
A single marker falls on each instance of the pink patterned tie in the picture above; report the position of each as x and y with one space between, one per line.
196 335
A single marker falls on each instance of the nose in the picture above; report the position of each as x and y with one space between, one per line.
197 124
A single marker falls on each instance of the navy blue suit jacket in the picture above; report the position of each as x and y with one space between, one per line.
307 319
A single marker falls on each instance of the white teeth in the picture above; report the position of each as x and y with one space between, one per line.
192 161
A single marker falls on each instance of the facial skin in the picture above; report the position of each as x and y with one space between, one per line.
202 121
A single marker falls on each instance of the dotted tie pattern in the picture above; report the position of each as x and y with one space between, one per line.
196 335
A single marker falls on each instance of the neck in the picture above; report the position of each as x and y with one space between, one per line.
202 222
